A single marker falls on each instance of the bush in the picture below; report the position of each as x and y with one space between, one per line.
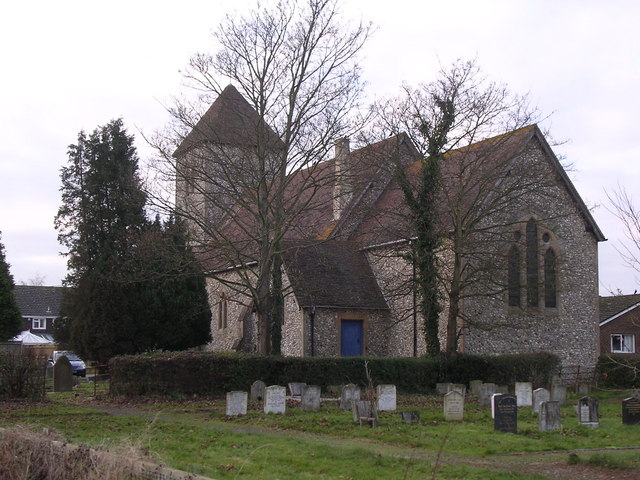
619 371
21 375
209 373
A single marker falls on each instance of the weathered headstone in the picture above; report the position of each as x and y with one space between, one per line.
310 399
442 388
506 413
257 391
631 411
386 397
559 393
556 380
502 389
275 399
410 416
236 403
540 395
549 420
588 414
458 387
350 393
454 406
583 389
62 375
523 392
474 387
486 391
363 410
296 388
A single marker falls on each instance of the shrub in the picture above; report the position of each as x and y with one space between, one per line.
209 373
619 371
21 375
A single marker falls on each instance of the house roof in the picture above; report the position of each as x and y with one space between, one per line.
331 274
230 120
389 219
614 306
38 301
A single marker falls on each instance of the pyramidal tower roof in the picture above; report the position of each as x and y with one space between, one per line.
230 120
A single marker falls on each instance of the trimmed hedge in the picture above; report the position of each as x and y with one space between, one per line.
619 371
212 373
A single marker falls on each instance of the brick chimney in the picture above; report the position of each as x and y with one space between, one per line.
342 190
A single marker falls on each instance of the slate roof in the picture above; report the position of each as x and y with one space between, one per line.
611 306
332 274
230 120
38 301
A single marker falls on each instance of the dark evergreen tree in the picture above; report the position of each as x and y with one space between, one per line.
10 319
122 272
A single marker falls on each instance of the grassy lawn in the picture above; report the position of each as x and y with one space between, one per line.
196 436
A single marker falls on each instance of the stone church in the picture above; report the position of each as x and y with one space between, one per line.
519 258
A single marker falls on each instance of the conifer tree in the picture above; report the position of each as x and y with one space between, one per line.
10 319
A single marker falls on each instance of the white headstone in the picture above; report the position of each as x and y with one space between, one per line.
275 399
236 403
454 406
540 395
386 397
493 406
523 393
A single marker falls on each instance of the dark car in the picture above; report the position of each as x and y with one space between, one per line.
77 365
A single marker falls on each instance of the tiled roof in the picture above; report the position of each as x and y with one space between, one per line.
611 306
230 120
331 274
37 300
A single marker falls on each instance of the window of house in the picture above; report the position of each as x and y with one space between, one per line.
39 323
222 312
623 343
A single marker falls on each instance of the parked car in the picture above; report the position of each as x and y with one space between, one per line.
77 365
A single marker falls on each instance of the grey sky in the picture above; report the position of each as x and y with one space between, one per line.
75 65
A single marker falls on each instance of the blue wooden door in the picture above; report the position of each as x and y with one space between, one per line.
351 338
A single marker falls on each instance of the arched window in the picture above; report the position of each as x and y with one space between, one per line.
222 312
550 279
532 263
514 276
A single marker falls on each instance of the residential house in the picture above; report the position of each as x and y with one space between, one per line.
39 307
620 324
349 283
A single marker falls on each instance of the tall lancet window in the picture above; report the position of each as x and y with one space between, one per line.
533 275
550 286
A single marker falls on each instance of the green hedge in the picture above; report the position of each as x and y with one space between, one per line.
619 371
209 373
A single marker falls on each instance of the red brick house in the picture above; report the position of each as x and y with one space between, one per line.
620 324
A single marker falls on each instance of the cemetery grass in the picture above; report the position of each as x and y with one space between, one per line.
196 436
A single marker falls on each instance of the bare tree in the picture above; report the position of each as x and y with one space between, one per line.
243 181
460 199
624 208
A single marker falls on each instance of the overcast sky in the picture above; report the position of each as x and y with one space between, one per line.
73 65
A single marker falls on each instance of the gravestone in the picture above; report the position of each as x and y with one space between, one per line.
350 393
275 399
523 393
442 388
454 406
458 387
583 389
296 388
540 395
502 389
506 413
549 420
559 393
486 391
310 399
386 398
493 410
631 411
474 387
588 414
62 375
410 416
363 410
236 403
257 391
